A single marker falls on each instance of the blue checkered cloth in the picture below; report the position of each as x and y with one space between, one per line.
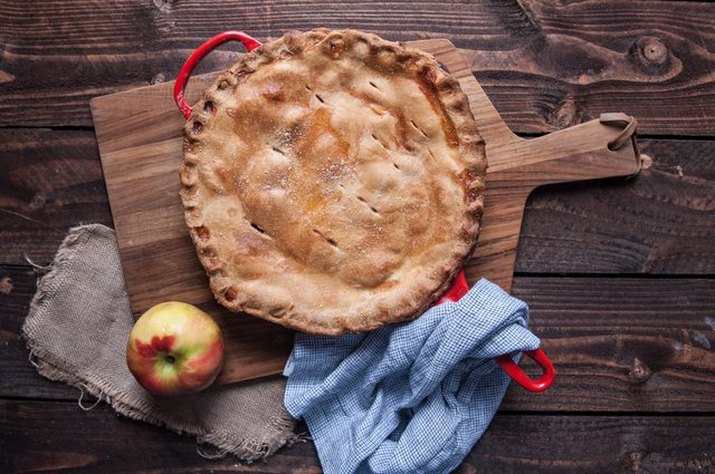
411 397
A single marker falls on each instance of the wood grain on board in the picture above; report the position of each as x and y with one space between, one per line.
545 65
140 145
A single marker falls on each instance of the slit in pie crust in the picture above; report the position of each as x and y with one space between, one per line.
332 181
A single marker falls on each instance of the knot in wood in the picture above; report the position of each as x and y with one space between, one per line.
654 50
37 202
158 78
6 285
651 54
566 114
6 77
639 372
163 5
633 461
646 161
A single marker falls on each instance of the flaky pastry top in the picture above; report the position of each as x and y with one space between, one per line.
332 181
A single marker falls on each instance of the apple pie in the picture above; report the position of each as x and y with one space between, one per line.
332 181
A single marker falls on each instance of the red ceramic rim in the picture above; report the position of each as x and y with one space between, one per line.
248 41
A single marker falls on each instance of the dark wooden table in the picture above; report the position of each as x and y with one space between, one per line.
618 274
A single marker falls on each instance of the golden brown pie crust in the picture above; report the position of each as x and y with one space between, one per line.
332 181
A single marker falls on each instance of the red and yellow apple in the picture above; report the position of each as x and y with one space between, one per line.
175 348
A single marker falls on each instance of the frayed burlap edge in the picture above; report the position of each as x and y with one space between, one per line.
49 367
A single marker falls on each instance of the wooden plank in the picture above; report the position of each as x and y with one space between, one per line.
49 182
545 66
19 377
585 55
622 344
594 329
659 223
35 437
594 444
50 436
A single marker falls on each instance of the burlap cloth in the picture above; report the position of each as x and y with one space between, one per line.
77 331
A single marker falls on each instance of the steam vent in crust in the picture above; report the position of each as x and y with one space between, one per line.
332 181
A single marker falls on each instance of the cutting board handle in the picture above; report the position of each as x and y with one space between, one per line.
199 53
592 150
602 148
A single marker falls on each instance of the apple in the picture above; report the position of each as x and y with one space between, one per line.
175 348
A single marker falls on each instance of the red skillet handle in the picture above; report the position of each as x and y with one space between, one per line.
518 375
459 288
185 72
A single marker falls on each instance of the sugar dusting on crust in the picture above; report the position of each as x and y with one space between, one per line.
407 299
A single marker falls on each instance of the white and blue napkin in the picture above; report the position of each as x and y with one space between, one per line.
411 397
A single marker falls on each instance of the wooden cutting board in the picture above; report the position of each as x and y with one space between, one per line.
139 135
